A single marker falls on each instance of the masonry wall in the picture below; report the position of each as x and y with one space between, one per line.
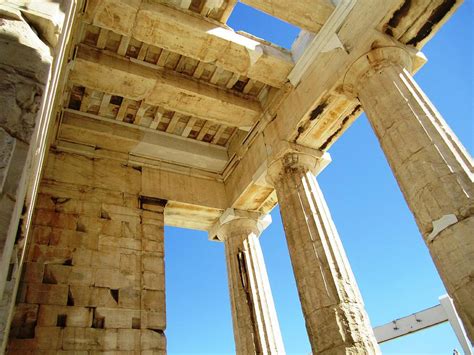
94 275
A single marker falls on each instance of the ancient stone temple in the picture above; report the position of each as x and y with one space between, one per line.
121 116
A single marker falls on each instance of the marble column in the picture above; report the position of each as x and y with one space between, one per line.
256 328
332 305
432 168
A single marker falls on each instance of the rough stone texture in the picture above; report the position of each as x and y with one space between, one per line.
332 305
24 68
256 328
93 280
433 170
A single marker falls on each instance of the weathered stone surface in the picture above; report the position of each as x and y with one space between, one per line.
256 328
332 305
95 270
432 168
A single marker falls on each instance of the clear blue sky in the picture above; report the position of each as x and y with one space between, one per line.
390 261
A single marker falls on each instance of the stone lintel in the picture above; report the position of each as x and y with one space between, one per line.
262 221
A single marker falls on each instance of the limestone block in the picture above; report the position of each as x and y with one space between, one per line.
153 231
153 301
128 339
114 279
153 246
56 219
82 256
129 263
25 313
89 339
106 259
129 298
117 317
131 230
152 340
49 255
46 338
152 281
47 294
64 316
153 263
153 320
89 296
33 272
96 226
69 275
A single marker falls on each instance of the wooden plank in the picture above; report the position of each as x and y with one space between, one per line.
162 87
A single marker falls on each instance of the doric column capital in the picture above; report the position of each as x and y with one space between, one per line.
233 220
377 59
296 161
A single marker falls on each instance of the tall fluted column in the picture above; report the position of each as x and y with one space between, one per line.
256 328
433 170
332 305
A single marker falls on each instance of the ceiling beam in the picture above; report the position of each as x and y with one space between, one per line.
98 70
193 36
309 15
103 133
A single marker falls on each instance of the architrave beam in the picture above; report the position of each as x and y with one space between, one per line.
99 70
122 137
309 15
193 36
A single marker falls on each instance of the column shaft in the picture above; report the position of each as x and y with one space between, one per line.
434 172
256 329
332 306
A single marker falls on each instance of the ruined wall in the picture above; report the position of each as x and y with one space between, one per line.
94 276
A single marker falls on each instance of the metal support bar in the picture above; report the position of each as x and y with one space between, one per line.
430 317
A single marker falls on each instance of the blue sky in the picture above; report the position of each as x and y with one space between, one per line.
390 261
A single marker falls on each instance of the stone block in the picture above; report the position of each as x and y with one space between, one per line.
47 294
89 339
33 272
153 232
46 338
129 263
106 259
153 263
82 257
49 255
116 317
55 219
152 281
64 316
128 339
153 320
153 301
131 230
92 296
70 275
129 298
113 278
153 246
152 340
